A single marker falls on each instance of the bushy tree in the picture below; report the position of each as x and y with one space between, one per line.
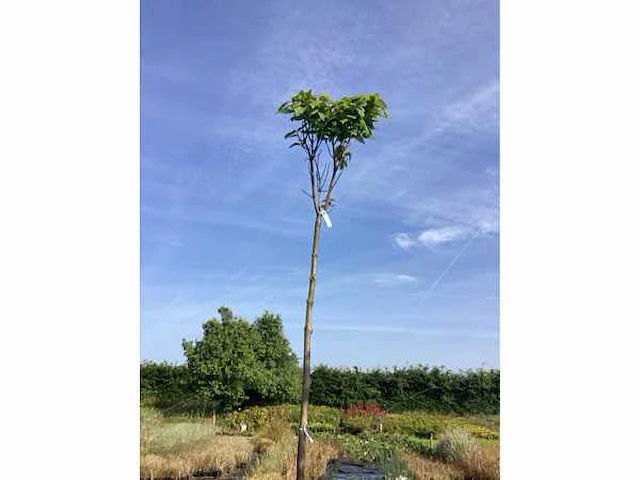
236 361
282 373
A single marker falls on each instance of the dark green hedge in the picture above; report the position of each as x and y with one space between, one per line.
165 385
413 388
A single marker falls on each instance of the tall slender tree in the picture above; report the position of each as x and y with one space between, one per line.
323 122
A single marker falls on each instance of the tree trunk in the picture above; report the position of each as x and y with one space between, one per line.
306 367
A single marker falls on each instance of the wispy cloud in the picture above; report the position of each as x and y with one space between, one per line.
410 177
393 279
295 55
450 234
364 328
435 236
477 111
293 228
403 240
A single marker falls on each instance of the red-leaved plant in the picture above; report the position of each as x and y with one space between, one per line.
372 409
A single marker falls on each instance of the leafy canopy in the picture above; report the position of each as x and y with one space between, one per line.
333 122
236 361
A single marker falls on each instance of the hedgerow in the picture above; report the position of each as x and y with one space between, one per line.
412 388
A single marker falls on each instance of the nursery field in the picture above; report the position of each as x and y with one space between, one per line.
259 443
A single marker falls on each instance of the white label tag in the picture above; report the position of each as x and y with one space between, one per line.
325 217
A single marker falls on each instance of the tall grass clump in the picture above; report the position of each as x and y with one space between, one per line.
456 446
425 468
483 464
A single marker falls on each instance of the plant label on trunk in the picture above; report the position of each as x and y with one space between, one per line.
325 217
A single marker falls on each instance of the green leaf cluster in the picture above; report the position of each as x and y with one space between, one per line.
334 122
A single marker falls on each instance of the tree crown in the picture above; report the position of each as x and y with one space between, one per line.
334 124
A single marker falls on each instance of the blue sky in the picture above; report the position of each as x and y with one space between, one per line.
409 272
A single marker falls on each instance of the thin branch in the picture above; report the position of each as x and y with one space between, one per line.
325 173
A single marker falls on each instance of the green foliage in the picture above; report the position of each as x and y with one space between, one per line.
417 388
486 420
477 431
281 382
358 423
416 444
256 418
321 418
163 384
417 424
334 121
239 364
379 448
236 361
368 446
412 388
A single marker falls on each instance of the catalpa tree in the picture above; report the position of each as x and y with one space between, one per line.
325 124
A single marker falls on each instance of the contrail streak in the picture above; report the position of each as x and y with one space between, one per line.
449 267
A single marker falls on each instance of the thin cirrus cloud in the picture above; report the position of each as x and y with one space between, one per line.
387 279
364 328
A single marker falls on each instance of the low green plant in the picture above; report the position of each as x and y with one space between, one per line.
358 424
418 445
255 418
379 448
490 421
414 423
477 431
364 447
321 418
418 423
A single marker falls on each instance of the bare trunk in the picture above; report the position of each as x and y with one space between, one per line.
306 367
